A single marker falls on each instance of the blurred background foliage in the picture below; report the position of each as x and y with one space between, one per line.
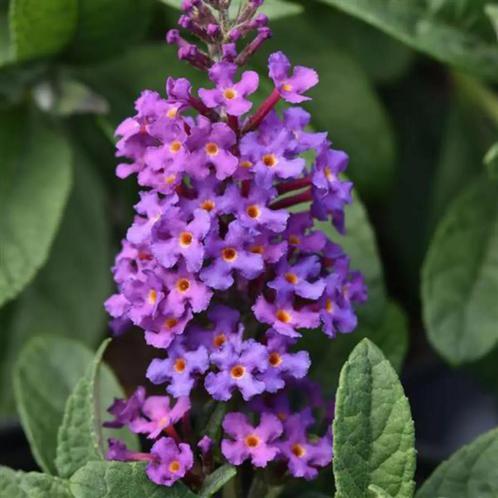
407 88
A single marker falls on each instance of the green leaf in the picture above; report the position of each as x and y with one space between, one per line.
35 168
376 492
123 480
458 165
81 437
492 12
272 8
215 481
107 27
31 485
460 277
66 298
373 429
46 373
419 28
344 103
41 28
491 161
470 473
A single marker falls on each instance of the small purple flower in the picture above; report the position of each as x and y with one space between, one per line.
179 90
159 415
126 411
304 457
205 445
185 290
291 87
238 363
299 236
179 369
171 461
300 279
252 211
151 207
296 120
229 95
161 331
230 255
283 317
174 238
266 245
256 443
282 363
211 144
224 326
330 193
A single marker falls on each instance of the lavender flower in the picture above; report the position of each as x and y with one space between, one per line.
223 268
255 443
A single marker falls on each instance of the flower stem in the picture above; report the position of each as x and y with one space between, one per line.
262 112
293 200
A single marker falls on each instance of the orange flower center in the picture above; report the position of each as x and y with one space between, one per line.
287 88
169 323
180 365
252 441
230 93
170 179
294 240
183 285
175 146
186 239
329 306
253 211
212 149
238 371
174 466
229 254
270 160
291 278
171 114
298 450
219 340
275 359
246 164
329 174
152 296
257 249
208 205
283 316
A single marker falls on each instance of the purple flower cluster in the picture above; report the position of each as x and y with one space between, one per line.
216 270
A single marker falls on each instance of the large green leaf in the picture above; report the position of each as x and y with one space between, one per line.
421 28
31 485
123 480
46 373
373 429
66 297
41 28
272 8
35 172
472 472
344 103
459 163
460 277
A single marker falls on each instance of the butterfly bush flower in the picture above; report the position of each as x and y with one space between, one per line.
223 268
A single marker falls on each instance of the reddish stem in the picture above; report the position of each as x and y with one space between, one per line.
171 431
282 188
262 112
199 106
141 457
293 200
233 122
